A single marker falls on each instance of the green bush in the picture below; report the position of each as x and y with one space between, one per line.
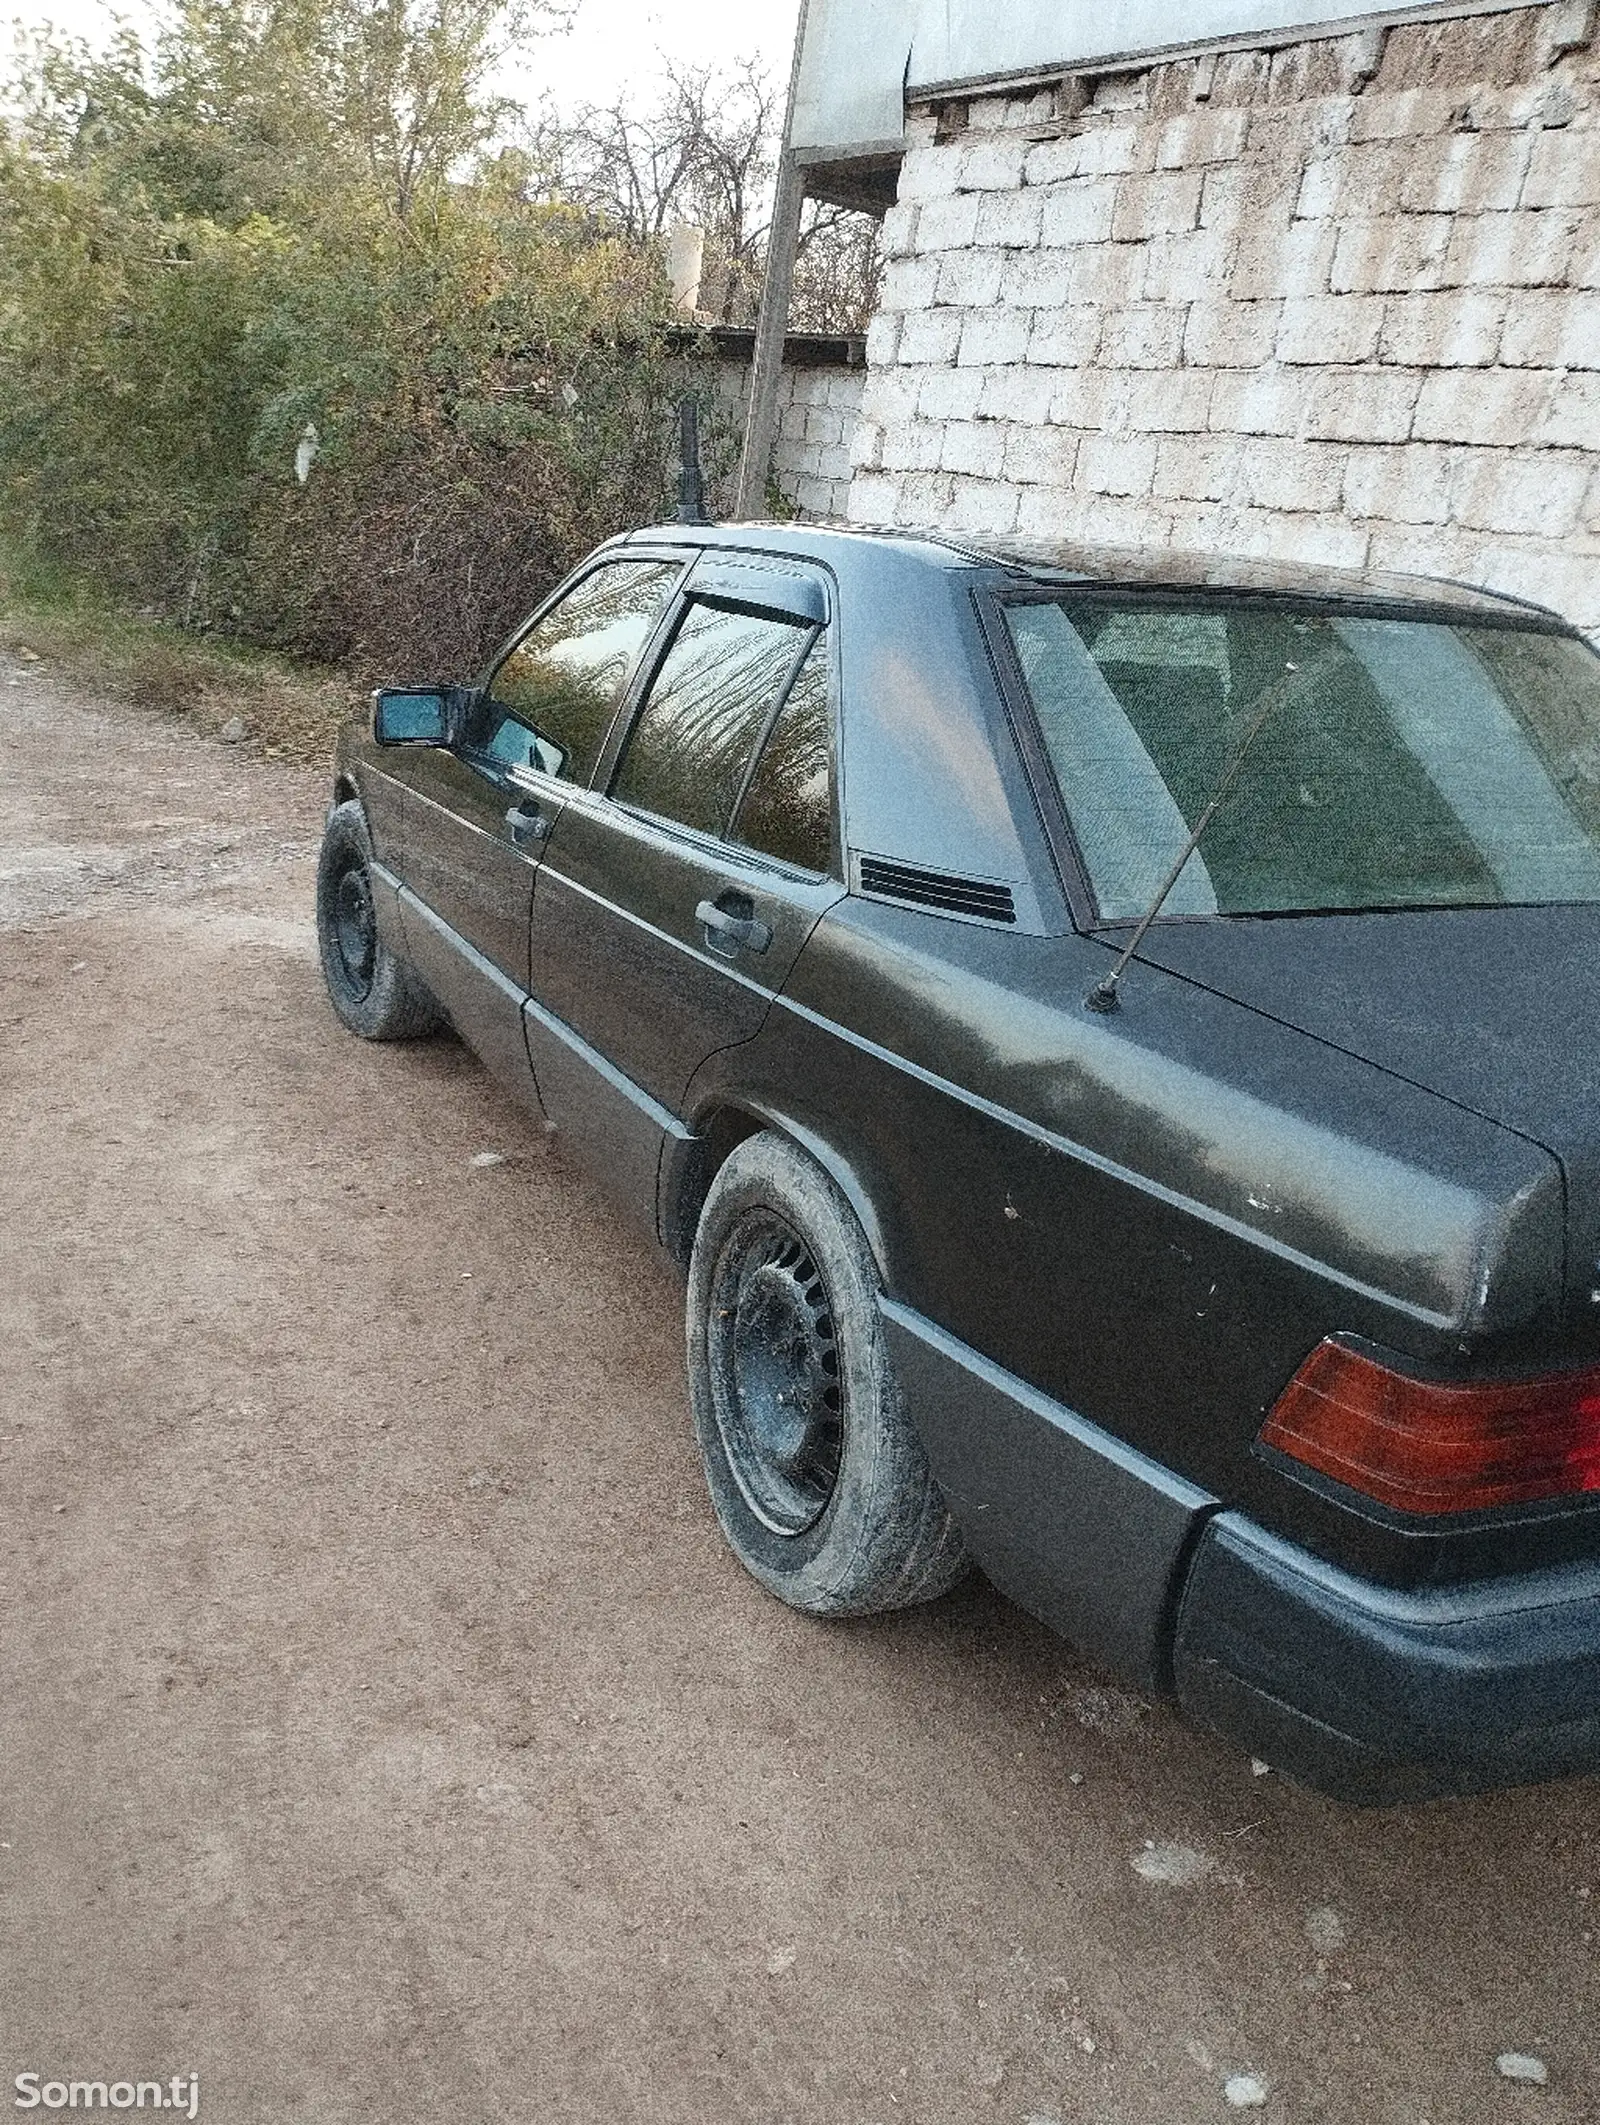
283 230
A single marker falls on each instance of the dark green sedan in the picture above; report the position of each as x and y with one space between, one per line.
1114 1042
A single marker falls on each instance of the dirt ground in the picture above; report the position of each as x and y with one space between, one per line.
387 1734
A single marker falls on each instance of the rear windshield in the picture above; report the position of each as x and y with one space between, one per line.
1386 762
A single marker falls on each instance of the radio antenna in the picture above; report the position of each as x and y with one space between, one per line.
1104 995
691 480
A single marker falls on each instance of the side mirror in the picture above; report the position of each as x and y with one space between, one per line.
405 716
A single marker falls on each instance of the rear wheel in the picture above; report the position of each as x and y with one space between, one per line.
376 992
816 1472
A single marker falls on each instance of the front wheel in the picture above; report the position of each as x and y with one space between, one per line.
818 1477
376 993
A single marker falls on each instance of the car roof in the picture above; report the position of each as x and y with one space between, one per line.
1155 568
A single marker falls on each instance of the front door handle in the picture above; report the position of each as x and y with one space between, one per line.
527 824
730 932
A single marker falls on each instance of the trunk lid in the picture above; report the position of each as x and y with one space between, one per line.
1496 1009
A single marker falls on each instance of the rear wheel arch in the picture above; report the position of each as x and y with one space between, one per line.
719 1129
816 1469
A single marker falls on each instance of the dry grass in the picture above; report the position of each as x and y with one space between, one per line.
288 710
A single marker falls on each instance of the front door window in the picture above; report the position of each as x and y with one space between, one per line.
550 703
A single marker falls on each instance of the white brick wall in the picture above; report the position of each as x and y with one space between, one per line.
1270 305
821 436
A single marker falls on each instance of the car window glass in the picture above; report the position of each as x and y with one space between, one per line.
551 701
1393 762
787 811
687 754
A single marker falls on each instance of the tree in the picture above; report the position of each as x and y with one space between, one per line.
702 154
281 222
705 153
837 265
295 339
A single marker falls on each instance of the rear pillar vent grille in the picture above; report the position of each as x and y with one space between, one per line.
937 889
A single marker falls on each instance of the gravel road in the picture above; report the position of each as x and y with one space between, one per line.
387 1735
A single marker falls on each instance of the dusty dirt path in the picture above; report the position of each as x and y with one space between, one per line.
388 1736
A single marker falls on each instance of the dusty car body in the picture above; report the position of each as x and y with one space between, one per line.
1122 1253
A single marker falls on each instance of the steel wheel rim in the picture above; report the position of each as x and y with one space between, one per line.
780 1410
355 929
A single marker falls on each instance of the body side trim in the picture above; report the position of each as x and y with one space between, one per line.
413 904
1468 1602
1083 1531
551 873
1127 1458
662 1117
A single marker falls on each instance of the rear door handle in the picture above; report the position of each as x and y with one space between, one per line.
527 824
733 933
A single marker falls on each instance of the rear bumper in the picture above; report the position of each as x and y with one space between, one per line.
1362 1691
1374 1695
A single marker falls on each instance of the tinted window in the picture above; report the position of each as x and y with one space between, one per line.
1385 762
717 685
563 681
787 810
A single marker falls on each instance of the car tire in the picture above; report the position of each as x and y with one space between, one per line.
375 991
819 1479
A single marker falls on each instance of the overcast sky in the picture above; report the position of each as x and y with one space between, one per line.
612 46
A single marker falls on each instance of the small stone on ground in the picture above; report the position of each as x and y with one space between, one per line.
1245 2091
1325 1930
1522 2066
1173 1866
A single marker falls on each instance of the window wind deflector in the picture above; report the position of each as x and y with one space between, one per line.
769 592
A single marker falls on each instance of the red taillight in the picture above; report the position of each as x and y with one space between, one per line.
1428 1447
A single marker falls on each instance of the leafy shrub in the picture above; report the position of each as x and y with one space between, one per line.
280 237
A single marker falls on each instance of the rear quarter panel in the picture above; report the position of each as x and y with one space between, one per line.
1152 1218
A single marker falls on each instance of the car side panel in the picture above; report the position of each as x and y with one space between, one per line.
1078 1528
618 954
628 995
1151 1221
460 859
466 929
377 773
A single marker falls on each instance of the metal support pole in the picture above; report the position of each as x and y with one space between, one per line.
766 367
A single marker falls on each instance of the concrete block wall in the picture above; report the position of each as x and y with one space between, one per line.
819 411
812 460
1338 303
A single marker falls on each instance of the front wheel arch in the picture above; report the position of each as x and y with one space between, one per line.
375 991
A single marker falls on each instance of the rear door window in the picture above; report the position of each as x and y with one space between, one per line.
718 687
787 807
550 703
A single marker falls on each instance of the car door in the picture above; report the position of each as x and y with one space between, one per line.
477 813
670 910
